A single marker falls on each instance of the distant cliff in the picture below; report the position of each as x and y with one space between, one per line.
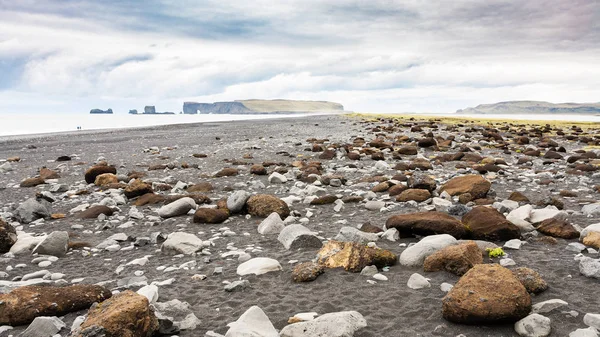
100 111
256 106
533 107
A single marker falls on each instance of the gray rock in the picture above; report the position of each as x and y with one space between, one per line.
592 320
237 200
335 324
591 209
43 326
534 325
352 234
55 244
513 244
178 207
179 313
271 225
237 285
31 210
589 267
252 323
369 271
459 210
415 255
589 332
297 236
179 242
374 205
547 306
417 281
576 247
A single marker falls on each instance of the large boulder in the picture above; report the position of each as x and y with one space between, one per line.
180 242
55 244
252 323
426 223
22 305
353 256
94 211
457 259
485 223
176 208
8 236
297 236
334 324
416 254
474 184
137 188
126 314
95 171
31 210
210 215
486 294
558 228
263 205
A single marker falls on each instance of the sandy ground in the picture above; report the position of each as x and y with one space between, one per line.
390 308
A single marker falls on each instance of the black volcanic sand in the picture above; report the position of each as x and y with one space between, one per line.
390 308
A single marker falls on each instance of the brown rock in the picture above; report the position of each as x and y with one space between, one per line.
558 228
56 216
227 172
263 205
465 198
32 182
199 155
473 184
94 171
126 314
137 188
381 187
324 200
136 175
592 240
367 227
352 256
412 194
327 154
457 259
397 189
106 179
567 194
352 199
47 173
307 271
421 164
203 187
408 150
210 215
13 159
426 142
426 223
94 211
22 305
422 181
486 223
149 199
530 279
518 197
8 237
486 294
259 170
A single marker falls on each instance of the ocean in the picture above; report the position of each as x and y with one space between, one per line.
27 124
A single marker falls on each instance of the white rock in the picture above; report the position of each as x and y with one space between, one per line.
271 225
592 320
534 325
505 262
277 178
373 205
382 165
591 209
258 266
539 215
513 244
252 323
589 267
297 236
25 243
43 326
519 217
237 200
417 281
352 234
589 332
391 234
415 255
180 242
335 324
591 228
178 207
380 277
150 292
446 287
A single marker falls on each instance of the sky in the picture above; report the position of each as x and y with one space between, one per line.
370 55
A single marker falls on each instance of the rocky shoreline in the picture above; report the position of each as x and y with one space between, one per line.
310 226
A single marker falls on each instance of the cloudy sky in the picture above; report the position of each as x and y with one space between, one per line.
370 55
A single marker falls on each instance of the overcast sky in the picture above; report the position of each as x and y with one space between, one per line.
371 55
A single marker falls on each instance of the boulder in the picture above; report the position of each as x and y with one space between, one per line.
55 244
105 179
271 225
203 187
95 171
237 200
416 254
126 314
397 189
180 242
475 185
531 280
258 266
353 256
210 215
31 210
426 223
263 205
485 223
176 208
307 271
252 323
94 211
486 294
297 236
457 259
335 324
558 228
137 188
411 194
22 305
32 182
8 236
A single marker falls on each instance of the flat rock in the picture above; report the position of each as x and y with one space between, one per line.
252 323
335 324
456 259
485 223
180 242
43 327
263 205
258 266
352 234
